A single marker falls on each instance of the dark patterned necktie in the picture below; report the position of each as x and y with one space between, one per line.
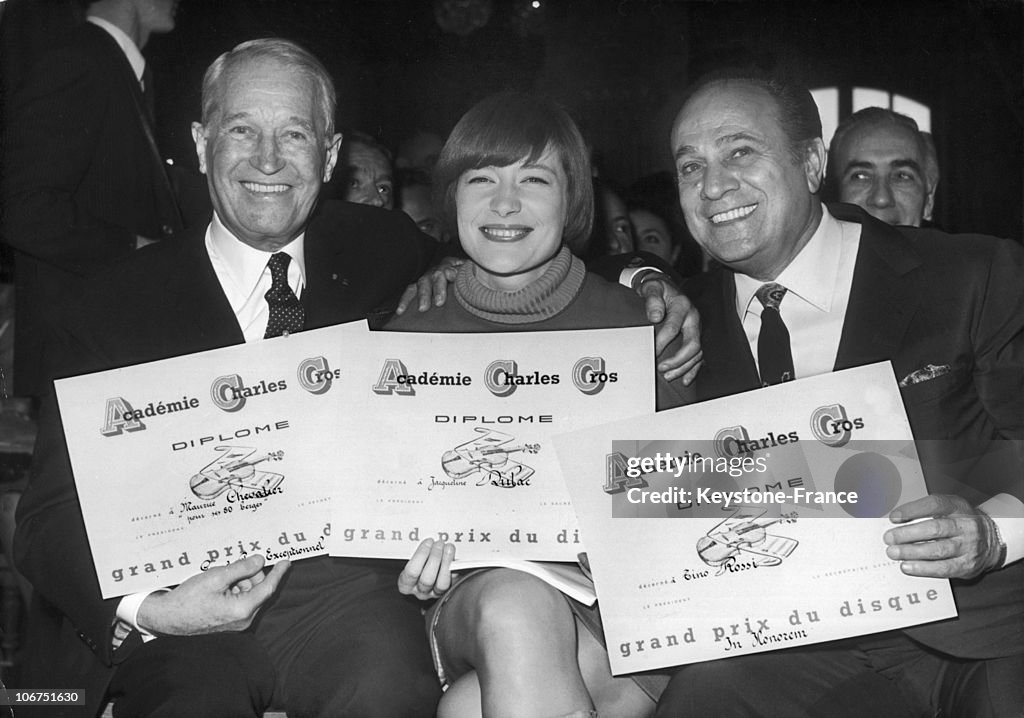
286 313
774 356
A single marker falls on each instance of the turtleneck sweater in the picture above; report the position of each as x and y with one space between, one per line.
564 297
541 299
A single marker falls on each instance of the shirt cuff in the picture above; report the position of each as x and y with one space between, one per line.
628 275
128 611
1007 512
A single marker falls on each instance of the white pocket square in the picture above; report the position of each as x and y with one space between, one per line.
931 371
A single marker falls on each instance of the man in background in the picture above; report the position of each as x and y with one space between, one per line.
880 161
367 175
83 181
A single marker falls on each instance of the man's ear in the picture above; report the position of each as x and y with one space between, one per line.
333 147
815 161
199 137
929 201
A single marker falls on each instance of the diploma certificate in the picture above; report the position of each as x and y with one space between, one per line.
200 460
452 437
780 498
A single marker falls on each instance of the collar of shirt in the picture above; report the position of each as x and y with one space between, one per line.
811 275
818 281
135 58
245 277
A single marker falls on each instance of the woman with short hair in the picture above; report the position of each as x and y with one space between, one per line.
514 184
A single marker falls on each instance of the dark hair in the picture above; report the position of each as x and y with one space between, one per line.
358 137
877 116
798 113
278 50
409 177
596 244
509 127
413 177
658 193
870 116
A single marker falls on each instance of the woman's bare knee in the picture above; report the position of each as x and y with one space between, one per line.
509 607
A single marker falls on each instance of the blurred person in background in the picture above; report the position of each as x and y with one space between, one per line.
658 224
83 183
880 161
414 190
612 233
367 171
419 151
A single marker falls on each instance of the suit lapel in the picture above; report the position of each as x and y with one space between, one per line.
883 299
884 295
200 305
325 286
169 215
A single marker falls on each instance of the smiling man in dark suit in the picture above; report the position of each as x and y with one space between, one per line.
327 636
804 290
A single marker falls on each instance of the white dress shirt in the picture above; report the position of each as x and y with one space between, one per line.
245 277
818 281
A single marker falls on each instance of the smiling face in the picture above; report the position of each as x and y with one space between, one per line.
511 219
747 202
881 169
265 153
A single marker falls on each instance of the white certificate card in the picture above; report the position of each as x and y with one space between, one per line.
197 461
750 523
451 437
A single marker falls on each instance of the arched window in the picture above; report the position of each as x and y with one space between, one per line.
830 99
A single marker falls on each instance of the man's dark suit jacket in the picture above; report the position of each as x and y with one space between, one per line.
165 300
924 297
82 177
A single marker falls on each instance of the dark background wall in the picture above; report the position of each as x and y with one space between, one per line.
620 66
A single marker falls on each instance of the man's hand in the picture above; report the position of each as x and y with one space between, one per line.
433 285
956 540
428 574
225 598
664 301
